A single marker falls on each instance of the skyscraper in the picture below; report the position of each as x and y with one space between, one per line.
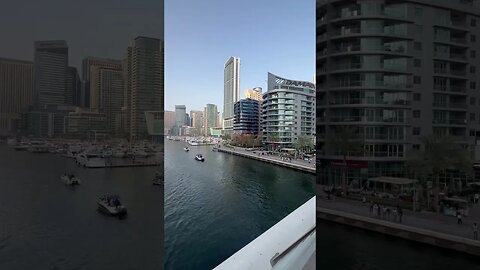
231 92
111 99
406 71
74 87
144 83
247 116
91 67
51 72
180 119
16 92
169 121
210 118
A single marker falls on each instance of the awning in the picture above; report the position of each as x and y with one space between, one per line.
393 180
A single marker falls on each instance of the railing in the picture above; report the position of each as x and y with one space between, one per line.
357 101
275 249
376 84
458 56
366 119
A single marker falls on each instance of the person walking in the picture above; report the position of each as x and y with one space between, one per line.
459 218
475 231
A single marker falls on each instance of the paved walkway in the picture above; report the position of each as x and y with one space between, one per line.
425 220
258 154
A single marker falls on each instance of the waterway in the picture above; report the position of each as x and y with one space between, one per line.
341 247
216 207
47 225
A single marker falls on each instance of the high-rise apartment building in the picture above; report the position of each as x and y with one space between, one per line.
91 67
395 71
16 92
51 72
111 99
210 118
169 121
197 121
231 92
288 112
255 93
144 89
247 116
74 87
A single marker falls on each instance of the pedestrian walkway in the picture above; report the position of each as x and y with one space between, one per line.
425 220
300 164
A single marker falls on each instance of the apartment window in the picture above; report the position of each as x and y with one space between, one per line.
473 54
472 101
417 79
416 146
472 132
416 113
473 38
417 63
472 85
472 69
472 116
416 96
473 23
417 46
416 131
418 12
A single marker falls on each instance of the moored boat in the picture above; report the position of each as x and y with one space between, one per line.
70 180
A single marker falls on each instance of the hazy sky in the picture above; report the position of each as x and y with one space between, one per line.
275 36
102 28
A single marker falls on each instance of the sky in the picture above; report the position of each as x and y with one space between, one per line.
102 28
276 36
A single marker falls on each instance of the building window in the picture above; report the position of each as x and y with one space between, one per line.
472 132
416 113
472 85
472 116
417 62
472 69
417 45
418 12
473 38
416 146
473 54
416 131
416 96
473 23
472 101
417 79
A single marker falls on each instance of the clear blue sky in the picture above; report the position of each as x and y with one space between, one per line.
275 36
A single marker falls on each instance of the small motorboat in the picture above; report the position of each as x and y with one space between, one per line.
158 179
111 205
214 149
70 180
186 149
199 157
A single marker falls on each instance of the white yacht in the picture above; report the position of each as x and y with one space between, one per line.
200 157
91 160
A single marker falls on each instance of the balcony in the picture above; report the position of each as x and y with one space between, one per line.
365 101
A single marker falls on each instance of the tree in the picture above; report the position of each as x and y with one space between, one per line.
257 142
303 142
272 138
440 153
347 142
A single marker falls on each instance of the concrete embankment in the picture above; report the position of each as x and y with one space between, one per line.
289 164
429 237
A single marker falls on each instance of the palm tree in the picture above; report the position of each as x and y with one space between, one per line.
345 141
441 153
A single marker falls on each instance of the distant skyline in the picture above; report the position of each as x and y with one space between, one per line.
267 36
91 28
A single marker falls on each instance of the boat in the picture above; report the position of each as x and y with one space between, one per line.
158 179
111 205
70 180
199 157
186 149
215 149
38 147
21 147
91 160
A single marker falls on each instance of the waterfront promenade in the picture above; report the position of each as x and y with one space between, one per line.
443 230
298 164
